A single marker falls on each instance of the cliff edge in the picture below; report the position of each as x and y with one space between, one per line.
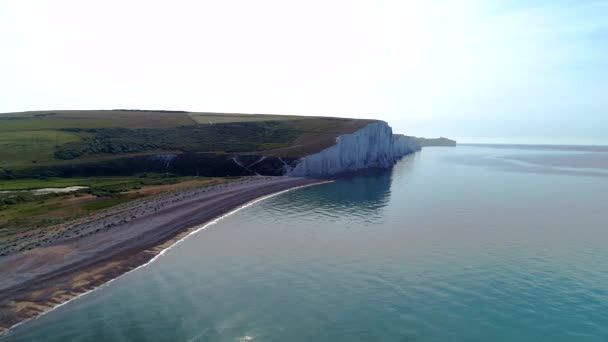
373 146
428 142
90 143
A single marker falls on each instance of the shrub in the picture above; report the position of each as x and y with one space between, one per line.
9 201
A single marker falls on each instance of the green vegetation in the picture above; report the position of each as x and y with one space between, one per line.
55 120
43 144
227 137
23 212
91 182
30 147
215 118
427 142
106 203
123 118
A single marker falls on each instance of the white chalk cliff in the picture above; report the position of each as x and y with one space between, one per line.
403 145
373 146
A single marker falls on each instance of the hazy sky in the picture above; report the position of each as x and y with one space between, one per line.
495 71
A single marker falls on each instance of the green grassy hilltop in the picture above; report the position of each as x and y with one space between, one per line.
35 140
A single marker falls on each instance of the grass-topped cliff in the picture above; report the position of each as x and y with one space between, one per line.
117 156
67 143
429 142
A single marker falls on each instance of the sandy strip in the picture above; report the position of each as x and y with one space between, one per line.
36 281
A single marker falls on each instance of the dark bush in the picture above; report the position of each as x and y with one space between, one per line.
68 153
9 201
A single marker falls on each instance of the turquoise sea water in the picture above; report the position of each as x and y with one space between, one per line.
454 244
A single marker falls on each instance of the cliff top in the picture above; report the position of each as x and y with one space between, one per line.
427 142
48 138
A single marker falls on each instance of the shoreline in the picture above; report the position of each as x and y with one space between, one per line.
44 292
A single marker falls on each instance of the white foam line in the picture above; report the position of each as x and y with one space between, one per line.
212 222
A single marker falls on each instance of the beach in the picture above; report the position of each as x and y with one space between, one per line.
116 242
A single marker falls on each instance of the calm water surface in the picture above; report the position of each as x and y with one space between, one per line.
454 244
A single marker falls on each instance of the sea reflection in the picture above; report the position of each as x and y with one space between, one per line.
360 197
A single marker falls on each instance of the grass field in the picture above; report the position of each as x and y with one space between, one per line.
55 120
106 203
92 182
24 213
226 137
30 147
34 140
215 118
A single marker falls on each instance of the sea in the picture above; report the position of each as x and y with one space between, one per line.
467 243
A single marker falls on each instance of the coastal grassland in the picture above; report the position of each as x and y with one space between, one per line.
216 138
22 209
56 120
215 118
290 138
118 183
302 136
25 216
134 119
47 144
30 147
428 142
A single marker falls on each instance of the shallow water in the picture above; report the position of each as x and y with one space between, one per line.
454 244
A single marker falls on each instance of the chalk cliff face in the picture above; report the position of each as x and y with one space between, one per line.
373 146
403 145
